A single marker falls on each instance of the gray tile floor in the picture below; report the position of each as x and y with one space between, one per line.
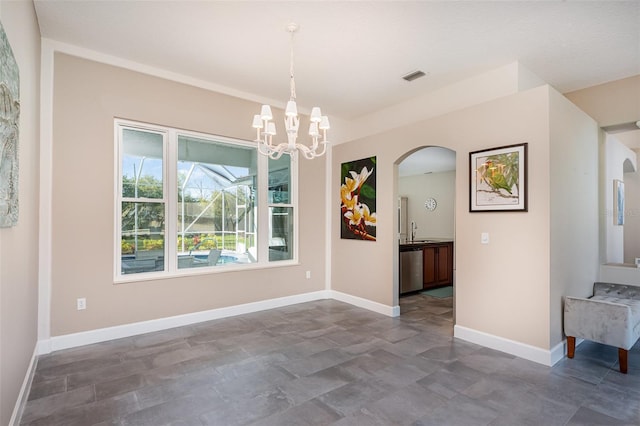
323 363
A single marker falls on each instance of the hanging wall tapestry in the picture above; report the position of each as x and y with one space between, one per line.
9 115
358 199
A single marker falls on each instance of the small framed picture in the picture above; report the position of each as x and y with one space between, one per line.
618 202
498 179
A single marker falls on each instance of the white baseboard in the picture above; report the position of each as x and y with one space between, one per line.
558 352
66 341
390 311
16 416
44 346
73 340
522 350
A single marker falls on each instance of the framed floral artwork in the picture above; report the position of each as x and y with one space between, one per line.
498 179
358 199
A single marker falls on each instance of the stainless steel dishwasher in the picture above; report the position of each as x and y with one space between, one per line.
410 269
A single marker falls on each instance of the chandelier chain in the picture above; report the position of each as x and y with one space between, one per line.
292 83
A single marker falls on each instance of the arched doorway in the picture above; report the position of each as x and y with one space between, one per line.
425 186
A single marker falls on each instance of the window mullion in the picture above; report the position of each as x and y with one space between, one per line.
171 225
263 209
294 204
142 200
117 247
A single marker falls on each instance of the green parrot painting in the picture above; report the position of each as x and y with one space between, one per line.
501 172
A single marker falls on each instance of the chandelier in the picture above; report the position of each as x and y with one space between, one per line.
266 128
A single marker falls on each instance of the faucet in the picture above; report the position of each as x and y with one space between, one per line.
413 230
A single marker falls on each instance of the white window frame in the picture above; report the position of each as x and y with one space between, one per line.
170 197
293 201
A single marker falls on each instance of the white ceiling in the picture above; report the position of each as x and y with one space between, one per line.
432 159
350 55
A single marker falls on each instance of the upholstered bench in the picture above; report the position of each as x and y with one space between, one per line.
611 317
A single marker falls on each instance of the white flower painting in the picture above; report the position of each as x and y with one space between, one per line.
358 200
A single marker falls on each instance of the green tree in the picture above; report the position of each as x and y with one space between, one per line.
149 215
148 187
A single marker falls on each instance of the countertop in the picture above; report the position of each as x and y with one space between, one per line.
421 242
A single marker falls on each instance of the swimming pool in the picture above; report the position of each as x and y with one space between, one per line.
224 258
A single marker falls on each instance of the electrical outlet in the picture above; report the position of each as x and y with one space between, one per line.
308 274
81 304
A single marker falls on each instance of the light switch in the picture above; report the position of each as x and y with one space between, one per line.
484 238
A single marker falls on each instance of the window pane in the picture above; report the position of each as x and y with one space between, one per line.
142 240
280 233
279 180
216 203
141 164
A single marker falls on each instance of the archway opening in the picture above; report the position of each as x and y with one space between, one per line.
425 186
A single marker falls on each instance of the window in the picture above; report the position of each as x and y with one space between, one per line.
280 209
205 193
142 204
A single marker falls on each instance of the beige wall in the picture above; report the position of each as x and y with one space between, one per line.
19 245
441 186
503 288
574 207
87 97
610 103
492 84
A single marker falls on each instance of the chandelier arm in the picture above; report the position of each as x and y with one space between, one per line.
262 151
276 154
268 141
324 148
313 153
309 153
306 152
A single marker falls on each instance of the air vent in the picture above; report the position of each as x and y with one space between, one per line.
413 75
623 127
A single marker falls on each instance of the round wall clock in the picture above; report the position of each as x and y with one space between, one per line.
430 204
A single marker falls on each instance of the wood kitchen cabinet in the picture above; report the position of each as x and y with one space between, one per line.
437 265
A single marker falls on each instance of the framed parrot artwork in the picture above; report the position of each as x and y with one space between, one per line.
498 179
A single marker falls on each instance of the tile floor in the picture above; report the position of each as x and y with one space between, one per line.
327 363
